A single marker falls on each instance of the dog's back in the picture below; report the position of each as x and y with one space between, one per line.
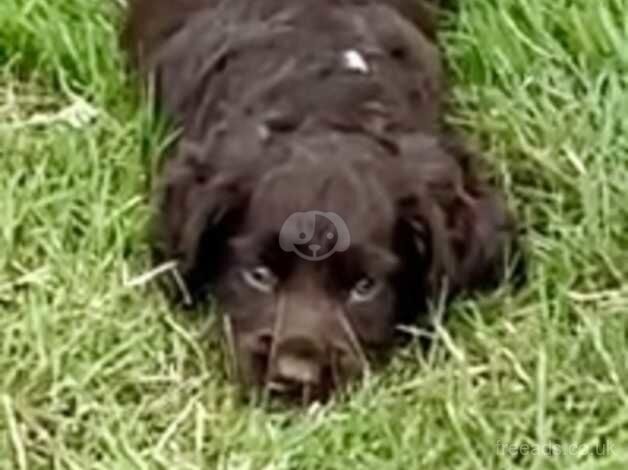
281 63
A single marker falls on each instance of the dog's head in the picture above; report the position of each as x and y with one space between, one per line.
317 260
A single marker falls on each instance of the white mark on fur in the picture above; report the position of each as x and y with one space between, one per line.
353 60
263 132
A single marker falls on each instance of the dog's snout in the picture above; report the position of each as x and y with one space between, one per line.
298 361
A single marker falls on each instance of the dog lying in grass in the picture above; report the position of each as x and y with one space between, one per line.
313 190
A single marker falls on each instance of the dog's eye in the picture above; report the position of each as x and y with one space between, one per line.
365 289
260 278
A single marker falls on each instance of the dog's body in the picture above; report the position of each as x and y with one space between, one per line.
329 110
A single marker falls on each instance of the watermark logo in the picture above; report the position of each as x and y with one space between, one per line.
314 235
554 449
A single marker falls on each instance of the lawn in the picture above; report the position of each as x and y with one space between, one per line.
95 374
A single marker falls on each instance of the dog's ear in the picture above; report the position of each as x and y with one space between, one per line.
198 210
460 223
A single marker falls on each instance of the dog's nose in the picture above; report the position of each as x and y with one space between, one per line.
297 362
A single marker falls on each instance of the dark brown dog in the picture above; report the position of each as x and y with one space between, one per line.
312 186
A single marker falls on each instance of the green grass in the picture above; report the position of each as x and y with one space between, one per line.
94 375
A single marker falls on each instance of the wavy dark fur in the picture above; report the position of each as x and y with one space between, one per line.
274 121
